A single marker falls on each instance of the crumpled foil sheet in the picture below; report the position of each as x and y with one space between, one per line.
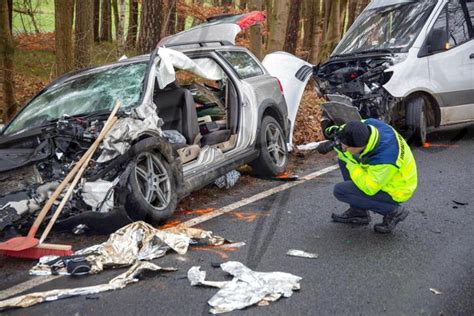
137 241
116 283
247 288
228 180
144 118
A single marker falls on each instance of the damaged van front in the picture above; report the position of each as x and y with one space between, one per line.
384 65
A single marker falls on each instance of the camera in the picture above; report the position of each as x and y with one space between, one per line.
333 141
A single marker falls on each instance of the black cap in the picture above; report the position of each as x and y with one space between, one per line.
355 134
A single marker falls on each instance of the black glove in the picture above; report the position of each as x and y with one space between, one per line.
325 147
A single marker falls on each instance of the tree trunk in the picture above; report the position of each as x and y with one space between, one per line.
308 22
115 12
10 15
256 31
96 20
352 12
317 33
106 21
120 30
276 38
7 52
132 24
171 25
150 26
291 39
63 16
84 37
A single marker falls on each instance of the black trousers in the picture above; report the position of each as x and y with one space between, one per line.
349 193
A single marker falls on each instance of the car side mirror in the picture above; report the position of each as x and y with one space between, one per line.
437 41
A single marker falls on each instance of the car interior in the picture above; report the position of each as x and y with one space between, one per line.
204 112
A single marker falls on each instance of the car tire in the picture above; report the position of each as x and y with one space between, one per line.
152 189
273 158
416 121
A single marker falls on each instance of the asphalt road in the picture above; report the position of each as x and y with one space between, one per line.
357 272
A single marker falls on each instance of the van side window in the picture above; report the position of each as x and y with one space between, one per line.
244 65
458 29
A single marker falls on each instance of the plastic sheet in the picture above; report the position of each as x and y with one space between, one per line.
116 283
247 288
144 118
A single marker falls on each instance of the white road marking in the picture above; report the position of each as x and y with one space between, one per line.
22 287
256 197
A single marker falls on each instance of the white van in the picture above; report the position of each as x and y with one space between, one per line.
410 63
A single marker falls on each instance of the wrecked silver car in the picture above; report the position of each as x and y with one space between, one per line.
189 115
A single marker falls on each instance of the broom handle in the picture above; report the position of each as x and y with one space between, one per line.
62 185
78 176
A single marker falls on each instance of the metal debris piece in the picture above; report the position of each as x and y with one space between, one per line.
460 203
116 283
196 233
228 180
98 195
233 245
198 277
308 147
435 291
301 253
247 288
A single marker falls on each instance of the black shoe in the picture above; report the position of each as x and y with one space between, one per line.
391 220
352 216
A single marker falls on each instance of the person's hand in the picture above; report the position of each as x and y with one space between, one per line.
331 131
345 156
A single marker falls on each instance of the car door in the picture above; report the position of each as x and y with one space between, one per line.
452 70
293 74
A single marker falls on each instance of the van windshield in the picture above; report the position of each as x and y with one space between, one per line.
391 28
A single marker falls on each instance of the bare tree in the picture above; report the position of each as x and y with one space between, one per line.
150 26
106 21
291 39
132 24
63 16
115 12
256 31
84 37
317 36
7 52
308 21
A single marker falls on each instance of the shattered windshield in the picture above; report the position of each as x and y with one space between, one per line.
86 94
392 28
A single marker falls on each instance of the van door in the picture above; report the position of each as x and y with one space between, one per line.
452 70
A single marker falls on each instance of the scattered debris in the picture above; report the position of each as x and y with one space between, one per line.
435 230
435 291
119 282
138 241
310 146
229 180
247 288
302 254
287 177
460 203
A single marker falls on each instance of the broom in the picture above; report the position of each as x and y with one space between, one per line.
29 246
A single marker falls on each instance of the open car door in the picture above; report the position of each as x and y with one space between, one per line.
221 29
294 74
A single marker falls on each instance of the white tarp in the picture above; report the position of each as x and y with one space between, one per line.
171 59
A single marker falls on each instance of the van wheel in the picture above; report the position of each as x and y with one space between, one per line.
152 186
416 121
273 158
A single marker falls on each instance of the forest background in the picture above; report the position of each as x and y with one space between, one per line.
42 39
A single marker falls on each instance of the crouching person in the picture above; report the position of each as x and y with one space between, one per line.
379 173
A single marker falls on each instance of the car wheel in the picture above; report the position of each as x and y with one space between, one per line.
273 158
416 121
152 194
